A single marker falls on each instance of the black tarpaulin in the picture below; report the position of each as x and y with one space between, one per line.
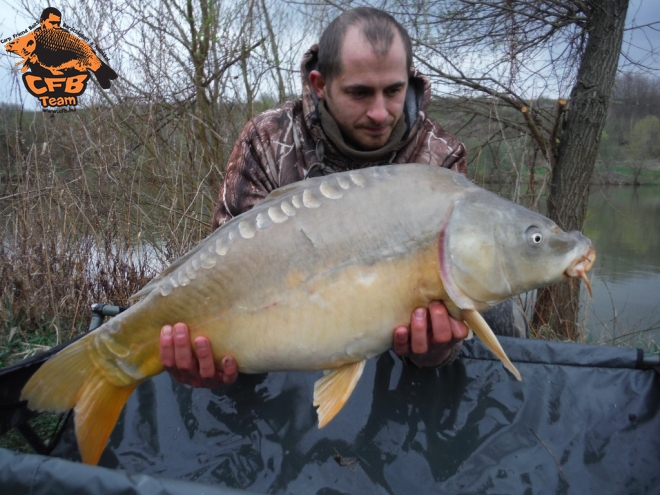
22 474
585 419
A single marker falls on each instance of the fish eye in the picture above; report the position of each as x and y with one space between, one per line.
534 235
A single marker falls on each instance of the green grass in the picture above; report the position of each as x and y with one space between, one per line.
18 345
622 174
651 177
45 426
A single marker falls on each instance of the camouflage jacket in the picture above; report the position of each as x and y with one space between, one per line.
287 144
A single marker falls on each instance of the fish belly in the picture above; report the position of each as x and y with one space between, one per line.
332 319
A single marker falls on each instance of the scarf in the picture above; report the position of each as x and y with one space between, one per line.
331 129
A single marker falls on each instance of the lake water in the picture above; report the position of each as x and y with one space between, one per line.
624 225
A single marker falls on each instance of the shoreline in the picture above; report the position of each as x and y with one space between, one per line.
598 179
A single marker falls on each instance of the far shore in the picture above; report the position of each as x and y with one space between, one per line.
650 176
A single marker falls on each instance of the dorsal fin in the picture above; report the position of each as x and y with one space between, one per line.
153 283
285 189
261 206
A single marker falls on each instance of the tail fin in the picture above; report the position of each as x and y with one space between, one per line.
104 75
72 380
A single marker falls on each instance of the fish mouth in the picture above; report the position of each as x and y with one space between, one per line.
581 266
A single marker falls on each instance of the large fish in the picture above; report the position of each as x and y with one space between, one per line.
316 277
57 50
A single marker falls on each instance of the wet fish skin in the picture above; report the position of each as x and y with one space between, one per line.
317 276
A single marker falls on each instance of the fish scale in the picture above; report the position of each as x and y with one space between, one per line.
316 277
275 214
59 40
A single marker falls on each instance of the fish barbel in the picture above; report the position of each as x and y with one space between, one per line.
316 277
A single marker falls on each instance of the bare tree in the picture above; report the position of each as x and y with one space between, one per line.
575 154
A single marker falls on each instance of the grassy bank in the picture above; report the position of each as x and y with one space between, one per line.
626 175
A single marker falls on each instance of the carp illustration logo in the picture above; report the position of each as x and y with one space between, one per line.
58 61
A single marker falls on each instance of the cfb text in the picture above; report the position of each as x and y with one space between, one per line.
44 87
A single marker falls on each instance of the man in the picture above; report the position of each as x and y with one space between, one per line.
362 105
50 18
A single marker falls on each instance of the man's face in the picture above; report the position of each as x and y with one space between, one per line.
53 21
367 99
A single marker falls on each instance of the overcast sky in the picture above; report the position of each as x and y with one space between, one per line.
637 43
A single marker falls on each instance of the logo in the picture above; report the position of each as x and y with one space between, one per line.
56 63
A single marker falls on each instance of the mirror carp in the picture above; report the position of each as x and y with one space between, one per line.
316 277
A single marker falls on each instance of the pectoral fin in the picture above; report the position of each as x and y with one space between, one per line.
333 390
477 323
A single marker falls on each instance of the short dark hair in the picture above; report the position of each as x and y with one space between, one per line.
47 11
377 27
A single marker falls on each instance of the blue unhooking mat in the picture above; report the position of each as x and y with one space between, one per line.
585 419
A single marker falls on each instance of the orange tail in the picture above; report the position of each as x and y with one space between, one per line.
72 380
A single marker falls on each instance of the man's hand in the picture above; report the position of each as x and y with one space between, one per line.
198 368
432 336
